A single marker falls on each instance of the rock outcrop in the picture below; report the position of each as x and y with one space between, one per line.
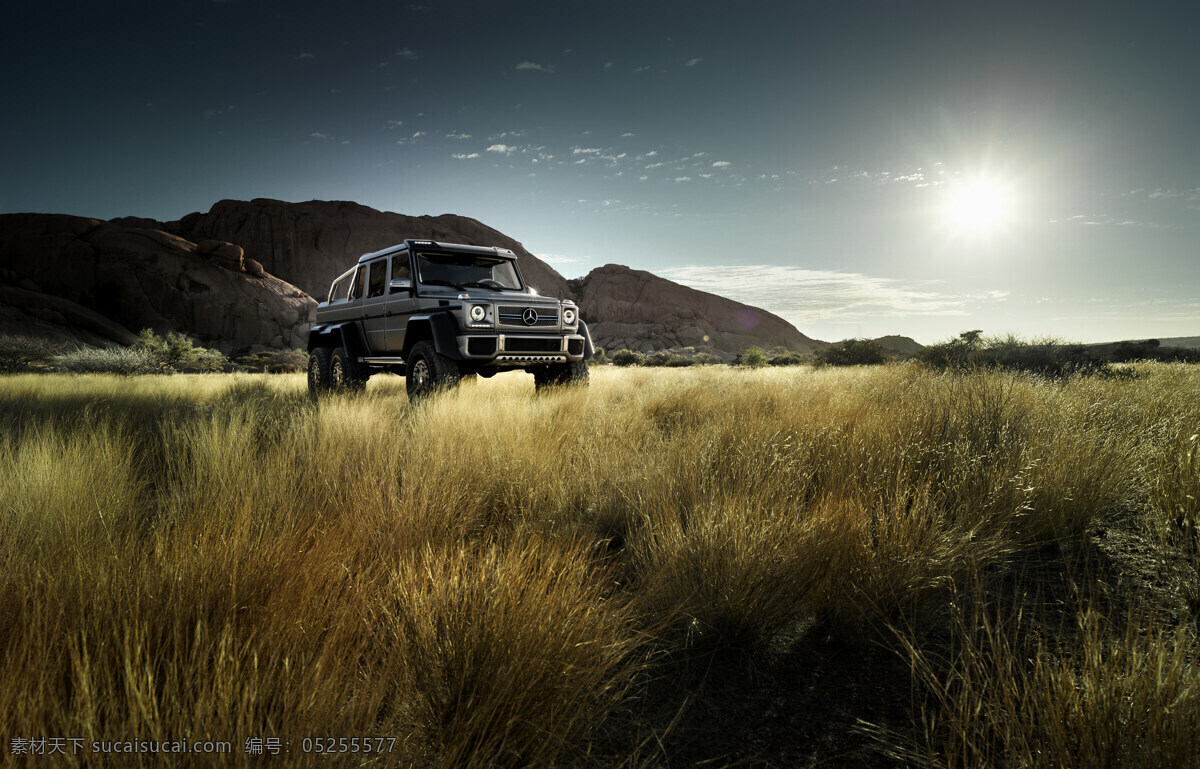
309 244
640 311
107 280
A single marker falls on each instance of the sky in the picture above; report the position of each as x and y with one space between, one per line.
858 168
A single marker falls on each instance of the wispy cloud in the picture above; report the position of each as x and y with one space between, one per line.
464 156
805 296
558 258
416 137
692 62
503 149
531 65
721 164
1102 220
317 135
457 135
305 55
407 54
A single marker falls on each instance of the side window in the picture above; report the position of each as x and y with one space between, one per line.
378 278
360 283
401 274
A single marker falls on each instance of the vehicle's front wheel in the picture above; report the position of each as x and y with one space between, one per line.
318 371
429 371
574 372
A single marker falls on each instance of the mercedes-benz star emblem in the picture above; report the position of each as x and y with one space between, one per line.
529 316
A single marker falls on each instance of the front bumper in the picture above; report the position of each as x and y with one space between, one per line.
521 349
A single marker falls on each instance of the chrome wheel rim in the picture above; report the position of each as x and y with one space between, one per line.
420 374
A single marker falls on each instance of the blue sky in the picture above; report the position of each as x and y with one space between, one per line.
860 168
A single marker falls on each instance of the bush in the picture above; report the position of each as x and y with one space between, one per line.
178 352
852 352
1049 358
753 357
656 358
19 353
624 357
787 359
111 360
707 359
276 362
600 358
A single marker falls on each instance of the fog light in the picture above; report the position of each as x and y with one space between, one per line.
478 313
569 317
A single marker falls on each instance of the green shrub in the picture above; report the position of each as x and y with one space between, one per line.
19 353
707 359
624 357
600 358
787 359
178 351
753 357
852 352
1051 358
276 361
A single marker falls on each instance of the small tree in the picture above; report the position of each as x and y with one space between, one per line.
18 353
754 357
852 352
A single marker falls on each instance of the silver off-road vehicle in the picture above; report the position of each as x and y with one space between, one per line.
436 312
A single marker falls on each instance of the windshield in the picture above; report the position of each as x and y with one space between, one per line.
467 271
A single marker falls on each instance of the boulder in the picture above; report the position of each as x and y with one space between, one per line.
140 278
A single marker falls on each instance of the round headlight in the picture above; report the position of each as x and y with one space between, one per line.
568 316
478 313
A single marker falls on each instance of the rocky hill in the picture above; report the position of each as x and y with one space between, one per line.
244 274
643 312
310 244
87 281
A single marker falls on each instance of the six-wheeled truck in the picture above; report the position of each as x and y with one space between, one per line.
435 312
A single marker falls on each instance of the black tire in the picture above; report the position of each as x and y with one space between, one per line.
318 371
428 371
345 373
556 374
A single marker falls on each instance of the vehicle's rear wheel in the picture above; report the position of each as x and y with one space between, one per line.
572 373
345 373
318 371
429 371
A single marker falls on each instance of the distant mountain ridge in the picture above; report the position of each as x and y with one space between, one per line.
244 275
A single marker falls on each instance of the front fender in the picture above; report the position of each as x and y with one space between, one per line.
439 327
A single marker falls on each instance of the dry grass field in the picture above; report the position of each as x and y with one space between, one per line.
672 567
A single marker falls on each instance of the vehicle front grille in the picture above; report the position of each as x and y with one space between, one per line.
513 315
528 344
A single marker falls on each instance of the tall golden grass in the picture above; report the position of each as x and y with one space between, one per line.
486 577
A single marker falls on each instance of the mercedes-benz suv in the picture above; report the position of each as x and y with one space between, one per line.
435 312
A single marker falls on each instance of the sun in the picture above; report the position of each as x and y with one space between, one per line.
978 207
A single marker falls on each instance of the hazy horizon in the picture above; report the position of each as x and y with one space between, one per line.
860 170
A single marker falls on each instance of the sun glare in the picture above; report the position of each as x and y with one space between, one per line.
978 207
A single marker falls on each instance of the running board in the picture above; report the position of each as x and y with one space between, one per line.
382 361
